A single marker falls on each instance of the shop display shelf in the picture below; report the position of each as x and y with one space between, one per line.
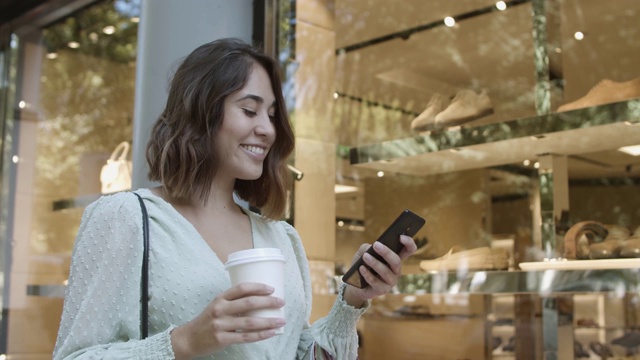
76 202
575 132
545 282
79 201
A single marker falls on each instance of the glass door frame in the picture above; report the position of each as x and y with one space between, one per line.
11 53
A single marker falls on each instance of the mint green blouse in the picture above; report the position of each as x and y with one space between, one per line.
101 315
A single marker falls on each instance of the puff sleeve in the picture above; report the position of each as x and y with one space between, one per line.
101 314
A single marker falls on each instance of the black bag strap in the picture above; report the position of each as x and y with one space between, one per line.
144 283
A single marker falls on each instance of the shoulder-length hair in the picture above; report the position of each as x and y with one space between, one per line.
180 152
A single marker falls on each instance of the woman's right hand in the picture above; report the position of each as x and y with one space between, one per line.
223 323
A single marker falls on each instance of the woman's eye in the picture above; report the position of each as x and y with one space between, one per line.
250 113
272 117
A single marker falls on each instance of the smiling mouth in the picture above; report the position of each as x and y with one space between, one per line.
254 149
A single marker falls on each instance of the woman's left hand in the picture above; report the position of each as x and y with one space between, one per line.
385 276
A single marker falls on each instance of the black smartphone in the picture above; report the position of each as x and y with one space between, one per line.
407 223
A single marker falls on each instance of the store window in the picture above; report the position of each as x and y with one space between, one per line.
69 110
503 124
499 122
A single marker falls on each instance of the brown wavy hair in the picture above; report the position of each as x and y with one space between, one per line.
180 152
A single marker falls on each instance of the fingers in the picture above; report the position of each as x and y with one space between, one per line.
237 337
244 298
409 247
229 319
231 314
248 324
361 250
389 272
246 289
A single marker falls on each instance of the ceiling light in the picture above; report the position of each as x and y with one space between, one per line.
501 5
578 35
52 55
380 173
341 189
526 162
336 95
536 165
110 29
135 19
631 150
449 21
73 44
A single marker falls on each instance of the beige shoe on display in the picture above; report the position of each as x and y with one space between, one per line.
426 120
466 106
482 258
611 246
580 236
606 91
630 248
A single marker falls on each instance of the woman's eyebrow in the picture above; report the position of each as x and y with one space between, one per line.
255 98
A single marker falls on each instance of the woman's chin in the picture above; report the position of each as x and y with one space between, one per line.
250 176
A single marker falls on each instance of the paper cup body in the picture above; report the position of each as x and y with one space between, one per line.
260 265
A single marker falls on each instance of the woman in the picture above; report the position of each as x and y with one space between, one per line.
224 129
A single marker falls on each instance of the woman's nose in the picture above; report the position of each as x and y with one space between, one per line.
265 126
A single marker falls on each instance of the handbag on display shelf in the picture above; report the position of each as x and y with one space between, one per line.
116 173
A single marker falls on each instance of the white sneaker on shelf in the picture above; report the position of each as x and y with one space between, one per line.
466 106
482 258
426 120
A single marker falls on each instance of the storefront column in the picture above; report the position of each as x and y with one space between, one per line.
169 30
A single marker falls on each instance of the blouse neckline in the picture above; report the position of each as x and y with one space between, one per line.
176 214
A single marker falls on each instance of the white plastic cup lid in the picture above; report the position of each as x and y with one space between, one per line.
253 255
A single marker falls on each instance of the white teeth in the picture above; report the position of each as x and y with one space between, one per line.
254 149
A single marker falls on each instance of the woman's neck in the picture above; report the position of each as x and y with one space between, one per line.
219 201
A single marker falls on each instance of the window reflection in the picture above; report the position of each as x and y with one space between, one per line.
75 98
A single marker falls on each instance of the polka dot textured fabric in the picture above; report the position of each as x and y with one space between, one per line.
101 316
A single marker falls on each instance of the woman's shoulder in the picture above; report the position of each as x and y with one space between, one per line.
110 205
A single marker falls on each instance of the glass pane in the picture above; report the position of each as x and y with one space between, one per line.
500 123
75 93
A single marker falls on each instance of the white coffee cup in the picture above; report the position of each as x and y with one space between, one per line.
260 265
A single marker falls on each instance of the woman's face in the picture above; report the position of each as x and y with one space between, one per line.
247 130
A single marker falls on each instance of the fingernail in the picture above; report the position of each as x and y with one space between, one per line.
363 268
280 301
367 256
377 246
270 288
280 322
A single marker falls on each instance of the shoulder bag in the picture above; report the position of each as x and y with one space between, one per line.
144 283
